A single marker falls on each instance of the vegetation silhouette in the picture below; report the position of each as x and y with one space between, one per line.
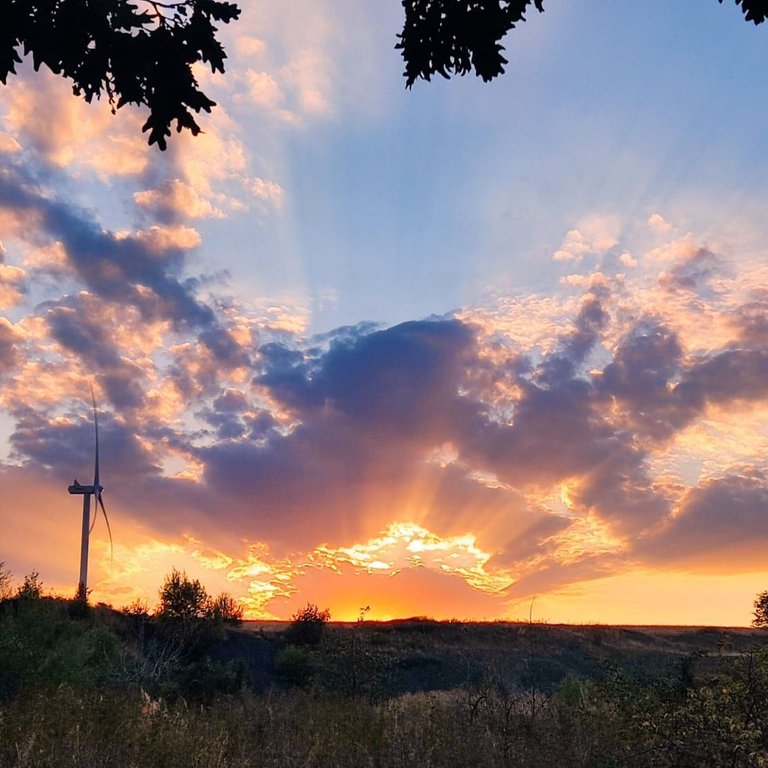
142 51
761 610
308 625
113 688
455 37
133 51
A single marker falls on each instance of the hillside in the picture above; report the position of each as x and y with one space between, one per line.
83 687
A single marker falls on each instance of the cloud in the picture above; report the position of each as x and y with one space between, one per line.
722 523
493 453
595 235
83 136
10 339
691 271
174 200
12 285
658 223
131 268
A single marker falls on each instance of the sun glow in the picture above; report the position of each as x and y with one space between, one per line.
407 545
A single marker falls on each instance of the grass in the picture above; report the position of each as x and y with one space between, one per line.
102 689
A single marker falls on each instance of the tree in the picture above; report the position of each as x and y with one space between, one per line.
182 598
187 599
308 625
5 581
31 588
134 51
142 51
225 609
761 610
454 37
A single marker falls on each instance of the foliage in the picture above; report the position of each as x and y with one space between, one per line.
182 597
111 689
31 588
224 608
761 610
454 37
133 51
620 721
294 667
40 643
5 582
308 625
138 609
185 599
755 11
143 51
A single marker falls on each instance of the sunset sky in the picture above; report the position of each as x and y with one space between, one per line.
466 351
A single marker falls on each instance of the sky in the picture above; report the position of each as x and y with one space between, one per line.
470 351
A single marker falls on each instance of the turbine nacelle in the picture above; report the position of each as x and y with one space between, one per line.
82 489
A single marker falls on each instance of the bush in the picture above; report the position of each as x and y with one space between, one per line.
182 598
5 582
294 667
308 625
224 609
761 610
32 588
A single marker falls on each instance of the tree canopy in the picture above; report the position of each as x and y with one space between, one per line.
761 610
134 51
455 37
142 51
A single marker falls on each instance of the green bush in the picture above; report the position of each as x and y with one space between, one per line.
294 667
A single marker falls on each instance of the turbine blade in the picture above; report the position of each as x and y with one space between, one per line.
95 515
96 428
109 529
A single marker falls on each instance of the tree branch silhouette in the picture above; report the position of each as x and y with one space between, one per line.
455 37
142 51
134 52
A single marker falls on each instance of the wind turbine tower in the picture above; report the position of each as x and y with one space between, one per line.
87 491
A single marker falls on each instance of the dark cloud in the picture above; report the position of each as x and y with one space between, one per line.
226 351
750 320
576 346
402 380
641 382
620 491
552 576
691 272
532 539
129 269
299 445
231 401
68 446
75 323
723 377
724 519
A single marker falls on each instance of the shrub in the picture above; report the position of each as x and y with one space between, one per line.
294 667
308 625
761 610
225 609
32 587
182 598
5 582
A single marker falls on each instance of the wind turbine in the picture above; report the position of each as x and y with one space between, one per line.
86 491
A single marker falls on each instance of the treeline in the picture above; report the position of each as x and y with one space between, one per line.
172 651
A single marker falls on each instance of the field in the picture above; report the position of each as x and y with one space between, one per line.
98 687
